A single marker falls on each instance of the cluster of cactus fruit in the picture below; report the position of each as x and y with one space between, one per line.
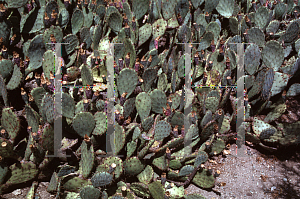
149 146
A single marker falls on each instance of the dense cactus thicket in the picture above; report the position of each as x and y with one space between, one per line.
149 132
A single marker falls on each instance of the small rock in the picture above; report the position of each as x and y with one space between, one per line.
273 188
284 179
17 192
249 194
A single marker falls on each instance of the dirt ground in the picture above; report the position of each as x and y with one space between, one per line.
257 175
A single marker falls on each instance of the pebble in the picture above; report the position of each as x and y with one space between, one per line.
17 192
284 179
273 188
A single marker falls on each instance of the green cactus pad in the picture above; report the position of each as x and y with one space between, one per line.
77 21
234 25
273 26
157 190
197 3
217 147
279 83
272 55
206 41
5 31
261 17
15 80
3 173
119 139
6 67
115 21
84 123
268 82
73 42
226 8
177 119
275 113
16 3
21 173
280 10
256 36
146 175
36 51
133 166
88 18
140 189
47 108
158 100
63 18
149 75
139 8
48 63
47 138
207 130
119 168
215 29
202 179
68 105
162 26
145 33
162 130
75 184
210 5
101 179
52 187
32 118
162 82
291 33
143 105
85 36
211 103
201 158
101 123
8 150
294 90
252 58
147 123
259 126
127 81
186 170
56 31
90 192
87 159
207 118
10 122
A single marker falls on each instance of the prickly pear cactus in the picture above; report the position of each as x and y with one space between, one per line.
125 127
